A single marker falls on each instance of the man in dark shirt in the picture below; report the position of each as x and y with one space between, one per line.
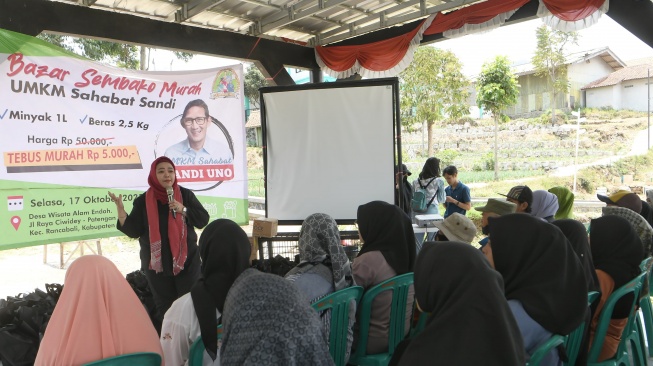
458 197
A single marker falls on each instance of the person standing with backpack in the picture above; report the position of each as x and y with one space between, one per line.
428 193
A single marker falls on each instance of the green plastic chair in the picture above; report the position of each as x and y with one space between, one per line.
630 335
399 286
136 359
544 349
574 339
418 327
338 302
645 304
196 353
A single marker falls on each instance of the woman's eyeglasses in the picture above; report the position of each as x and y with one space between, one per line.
199 120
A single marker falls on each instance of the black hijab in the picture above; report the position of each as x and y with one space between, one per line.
577 236
430 169
455 283
616 250
541 270
386 228
647 212
225 250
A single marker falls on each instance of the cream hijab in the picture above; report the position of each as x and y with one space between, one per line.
97 316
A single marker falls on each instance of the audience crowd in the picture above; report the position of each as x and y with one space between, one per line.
528 282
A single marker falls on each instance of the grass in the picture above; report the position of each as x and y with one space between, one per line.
487 175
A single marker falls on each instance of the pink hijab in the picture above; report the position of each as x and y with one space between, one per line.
97 316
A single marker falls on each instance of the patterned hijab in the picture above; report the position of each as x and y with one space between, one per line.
470 304
540 269
224 249
565 202
386 228
267 321
641 226
319 240
544 205
97 316
176 225
617 251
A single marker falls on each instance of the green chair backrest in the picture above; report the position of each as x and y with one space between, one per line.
339 302
196 352
633 287
136 359
645 264
544 349
575 338
421 322
399 286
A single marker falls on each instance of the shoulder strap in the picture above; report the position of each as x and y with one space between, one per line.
427 184
435 194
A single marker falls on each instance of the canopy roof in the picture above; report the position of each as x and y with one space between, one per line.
278 33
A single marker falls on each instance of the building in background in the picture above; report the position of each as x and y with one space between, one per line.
623 89
583 68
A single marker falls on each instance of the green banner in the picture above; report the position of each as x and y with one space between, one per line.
37 213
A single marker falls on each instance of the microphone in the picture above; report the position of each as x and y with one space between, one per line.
170 199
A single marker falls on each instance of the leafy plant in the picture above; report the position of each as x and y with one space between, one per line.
550 62
432 89
497 90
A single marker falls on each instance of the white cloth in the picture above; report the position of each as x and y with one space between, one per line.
179 330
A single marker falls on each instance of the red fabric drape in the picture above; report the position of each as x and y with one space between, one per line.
376 56
474 14
572 10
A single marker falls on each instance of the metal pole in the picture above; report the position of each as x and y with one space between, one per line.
576 156
648 88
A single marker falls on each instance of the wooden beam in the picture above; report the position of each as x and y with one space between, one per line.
34 16
636 16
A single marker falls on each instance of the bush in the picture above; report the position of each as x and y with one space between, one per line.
488 161
447 157
545 118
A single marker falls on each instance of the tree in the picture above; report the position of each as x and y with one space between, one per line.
549 60
497 90
433 88
123 55
254 80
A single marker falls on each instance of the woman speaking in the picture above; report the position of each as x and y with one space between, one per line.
165 230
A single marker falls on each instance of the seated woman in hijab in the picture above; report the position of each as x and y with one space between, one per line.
565 202
267 321
577 236
97 316
224 249
617 252
544 281
324 267
545 205
453 306
388 250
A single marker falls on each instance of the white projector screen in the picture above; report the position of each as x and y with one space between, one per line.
328 148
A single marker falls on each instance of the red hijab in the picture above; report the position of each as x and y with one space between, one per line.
176 226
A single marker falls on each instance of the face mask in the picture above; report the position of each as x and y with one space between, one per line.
486 229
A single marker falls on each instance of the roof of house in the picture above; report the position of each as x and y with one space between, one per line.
254 119
639 61
627 73
577 57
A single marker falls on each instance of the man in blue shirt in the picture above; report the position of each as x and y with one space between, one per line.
458 198
198 148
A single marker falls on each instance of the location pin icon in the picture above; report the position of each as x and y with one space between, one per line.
15 222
